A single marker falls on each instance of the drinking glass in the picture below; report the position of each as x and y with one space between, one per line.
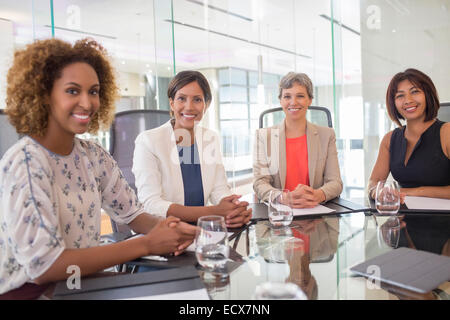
280 208
211 242
387 198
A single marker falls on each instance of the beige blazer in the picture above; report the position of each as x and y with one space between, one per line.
156 167
269 160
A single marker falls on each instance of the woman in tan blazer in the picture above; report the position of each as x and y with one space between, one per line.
309 169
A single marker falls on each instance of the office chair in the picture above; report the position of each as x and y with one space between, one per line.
444 112
126 127
318 115
8 134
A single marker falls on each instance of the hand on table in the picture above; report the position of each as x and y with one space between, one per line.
235 212
306 197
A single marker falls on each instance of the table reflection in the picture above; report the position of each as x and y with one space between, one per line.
288 252
217 284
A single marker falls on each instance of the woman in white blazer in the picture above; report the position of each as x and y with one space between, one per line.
178 166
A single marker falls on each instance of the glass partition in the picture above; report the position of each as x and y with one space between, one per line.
350 49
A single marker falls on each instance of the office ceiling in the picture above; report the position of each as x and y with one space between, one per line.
289 34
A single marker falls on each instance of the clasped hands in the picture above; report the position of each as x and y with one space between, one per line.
304 196
235 212
170 235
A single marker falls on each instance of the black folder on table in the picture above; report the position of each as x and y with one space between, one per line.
187 259
349 205
414 270
132 285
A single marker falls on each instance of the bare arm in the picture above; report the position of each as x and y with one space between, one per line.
144 222
190 214
381 169
167 236
445 139
432 192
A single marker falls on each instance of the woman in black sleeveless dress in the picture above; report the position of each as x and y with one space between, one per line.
418 153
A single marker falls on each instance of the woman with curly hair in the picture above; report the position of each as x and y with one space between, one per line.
53 184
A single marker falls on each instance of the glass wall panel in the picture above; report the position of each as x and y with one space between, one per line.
21 22
396 35
349 48
348 95
244 48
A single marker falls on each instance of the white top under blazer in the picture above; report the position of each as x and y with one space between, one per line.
157 170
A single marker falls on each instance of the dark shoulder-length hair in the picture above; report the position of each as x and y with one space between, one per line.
183 78
420 80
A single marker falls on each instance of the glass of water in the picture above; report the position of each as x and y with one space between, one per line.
211 242
280 208
387 198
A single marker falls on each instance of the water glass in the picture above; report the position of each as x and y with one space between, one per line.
279 291
211 242
387 198
280 208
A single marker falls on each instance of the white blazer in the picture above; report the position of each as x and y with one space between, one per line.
156 167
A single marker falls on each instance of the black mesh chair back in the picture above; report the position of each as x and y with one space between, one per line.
317 115
8 134
126 127
444 112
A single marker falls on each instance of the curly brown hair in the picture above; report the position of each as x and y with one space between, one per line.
30 81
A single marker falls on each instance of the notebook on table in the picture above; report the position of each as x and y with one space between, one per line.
414 270
125 286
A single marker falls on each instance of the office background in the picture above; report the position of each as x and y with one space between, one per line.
349 48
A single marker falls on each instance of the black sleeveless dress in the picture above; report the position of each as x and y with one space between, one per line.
427 166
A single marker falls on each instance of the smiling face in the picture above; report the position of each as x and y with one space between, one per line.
410 101
295 102
74 100
188 106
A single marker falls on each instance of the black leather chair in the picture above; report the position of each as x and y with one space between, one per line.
123 132
318 115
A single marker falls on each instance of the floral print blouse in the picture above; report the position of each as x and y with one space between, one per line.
51 202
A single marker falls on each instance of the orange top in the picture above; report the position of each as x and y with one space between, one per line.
302 236
296 162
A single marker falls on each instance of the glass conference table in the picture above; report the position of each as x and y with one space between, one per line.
316 253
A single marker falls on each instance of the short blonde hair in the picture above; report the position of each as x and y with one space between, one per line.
30 81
